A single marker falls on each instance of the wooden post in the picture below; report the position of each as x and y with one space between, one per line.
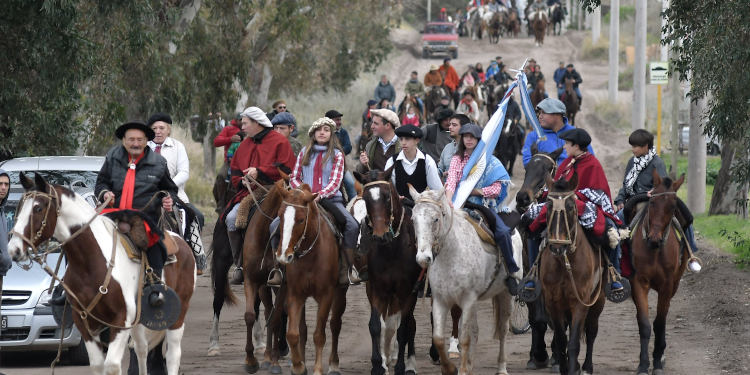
639 69
614 51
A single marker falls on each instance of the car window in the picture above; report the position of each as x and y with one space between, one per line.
439 29
64 178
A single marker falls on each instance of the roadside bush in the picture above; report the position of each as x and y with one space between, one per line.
591 51
741 246
614 114
625 79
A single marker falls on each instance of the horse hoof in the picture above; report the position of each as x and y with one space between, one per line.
275 369
643 373
251 369
658 371
555 369
534 365
265 365
410 372
213 352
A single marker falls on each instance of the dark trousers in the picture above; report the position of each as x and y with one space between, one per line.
156 255
502 236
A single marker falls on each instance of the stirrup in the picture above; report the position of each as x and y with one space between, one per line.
353 276
695 264
272 281
529 295
620 294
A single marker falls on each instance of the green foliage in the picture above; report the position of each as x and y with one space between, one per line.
713 164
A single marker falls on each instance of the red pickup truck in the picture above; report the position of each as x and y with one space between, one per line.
439 37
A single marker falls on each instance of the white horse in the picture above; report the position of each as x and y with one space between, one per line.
58 212
461 272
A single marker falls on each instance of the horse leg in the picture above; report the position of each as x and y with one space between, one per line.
337 311
258 341
379 367
538 356
389 324
251 290
174 349
113 361
411 323
438 336
468 319
559 341
276 331
578 319
455 318
96 356
264 297
640 298
592 330
319 336
502 305
660 339
401 339
293 334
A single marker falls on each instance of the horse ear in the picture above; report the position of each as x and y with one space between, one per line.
573 182
676 185
41 183
556 154
283 175
534 149
26 182
656 177
305 187
387 173
359 177
413 192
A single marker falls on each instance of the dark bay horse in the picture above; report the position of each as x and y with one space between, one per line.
571 101
557 15
509 144
496 27
538 94
538 169
431 101
573 275
101 282
512 24
309 249
659 262
388 240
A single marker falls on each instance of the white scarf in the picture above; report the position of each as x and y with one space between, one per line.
639 163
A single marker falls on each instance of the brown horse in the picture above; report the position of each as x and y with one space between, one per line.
309 249
571 101
101 283
538 94
512 24
659 262
389 242
573 274
538 22
496 27
257 261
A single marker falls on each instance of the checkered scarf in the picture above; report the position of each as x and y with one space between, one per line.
639 163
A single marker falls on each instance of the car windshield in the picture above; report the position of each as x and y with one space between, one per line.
439 29
64 178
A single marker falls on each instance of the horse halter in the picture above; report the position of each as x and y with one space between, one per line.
36 236
439 239
393 209
558 210
551 172
646 226
297 253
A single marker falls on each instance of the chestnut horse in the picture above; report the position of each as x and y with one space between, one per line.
571 101
659 262
309 249
538 22
389 242
573 275
538 94
257 261
101 282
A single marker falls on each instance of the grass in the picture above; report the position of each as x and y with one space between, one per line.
625 79
595 51
617 115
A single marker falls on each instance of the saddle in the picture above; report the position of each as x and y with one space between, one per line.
331 221
483 221
135 235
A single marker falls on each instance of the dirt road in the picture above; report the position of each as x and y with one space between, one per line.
708 326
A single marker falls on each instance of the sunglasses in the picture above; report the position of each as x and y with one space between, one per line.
281 107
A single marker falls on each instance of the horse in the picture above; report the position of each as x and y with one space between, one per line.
512 24
309 250
495 27
102 283
573 274
389 242
408 102
538 23
557 16
432 100
541 166
475 24
509 144
462 270
538 94
495 94
659 262
256 265
571 101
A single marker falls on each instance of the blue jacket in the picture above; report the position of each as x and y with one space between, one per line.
558 76
344 140
5 261
552 143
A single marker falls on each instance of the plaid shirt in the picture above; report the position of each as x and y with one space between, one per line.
337 175
456 171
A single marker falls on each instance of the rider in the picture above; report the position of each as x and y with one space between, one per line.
479 70
468 106
416 89
492 70
539 5
454 125
595 210
321 166
489 192
412 166
559 76
222 189
131 176
384 143
535 75
433 78
284 123
639 180
436 135
571 73
384 90
553 122
450 78
259 156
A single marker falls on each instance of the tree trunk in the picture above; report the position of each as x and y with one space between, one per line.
209 153
639 70
730 197
696 177
596 24
614 50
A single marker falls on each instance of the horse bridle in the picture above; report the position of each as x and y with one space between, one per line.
297 253
557 210
439 239
646 221
390 221
551 172
36 236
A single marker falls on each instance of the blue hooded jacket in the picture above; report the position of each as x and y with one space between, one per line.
552 143
5 261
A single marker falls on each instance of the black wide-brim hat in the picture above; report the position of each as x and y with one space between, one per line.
120 132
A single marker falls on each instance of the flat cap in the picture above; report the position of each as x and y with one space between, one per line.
332 114
409 131
551 106
284 118
578 137
387 115
159 116
471 128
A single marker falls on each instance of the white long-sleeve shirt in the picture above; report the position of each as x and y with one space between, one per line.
177 163
433 175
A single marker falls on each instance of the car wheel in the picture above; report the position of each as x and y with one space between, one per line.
77 355
425 54
455 55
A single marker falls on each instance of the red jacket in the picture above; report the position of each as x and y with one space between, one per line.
265 151
451 77
225 138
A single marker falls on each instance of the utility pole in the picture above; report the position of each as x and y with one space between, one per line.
696 176
579 12
639 70
596 24
429 9
676 92
614 51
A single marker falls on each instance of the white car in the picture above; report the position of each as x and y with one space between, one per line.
26 321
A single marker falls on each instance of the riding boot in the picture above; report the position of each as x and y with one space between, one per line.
156 256
235 242
351 276
275 277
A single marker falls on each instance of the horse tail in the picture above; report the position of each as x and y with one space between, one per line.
221 260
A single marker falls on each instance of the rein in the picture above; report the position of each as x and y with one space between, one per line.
297 253
436 244
390 221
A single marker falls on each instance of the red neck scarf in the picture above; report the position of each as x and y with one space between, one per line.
128 188
318 173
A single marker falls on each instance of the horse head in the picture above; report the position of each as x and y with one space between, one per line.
541 166
296 210
661 208
382 202
429 215
562 214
